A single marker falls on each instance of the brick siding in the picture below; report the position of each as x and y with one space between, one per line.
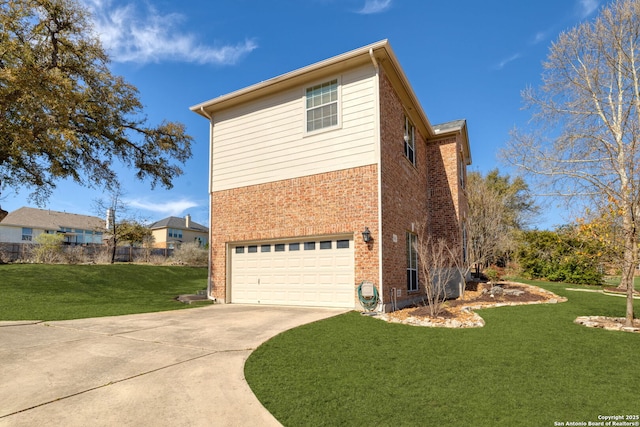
427 195
339 202
344 202
404 192
445 197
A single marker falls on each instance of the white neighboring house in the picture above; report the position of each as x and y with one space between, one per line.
25 224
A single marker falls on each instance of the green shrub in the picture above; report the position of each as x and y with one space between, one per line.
191 254
492 273
48 248
558 256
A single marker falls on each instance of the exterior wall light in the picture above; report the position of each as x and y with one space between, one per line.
366 235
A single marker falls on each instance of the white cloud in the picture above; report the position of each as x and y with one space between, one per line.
374 6
149 36
173 208
587 7
540 36
504 62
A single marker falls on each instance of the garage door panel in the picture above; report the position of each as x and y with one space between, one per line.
294 262
327 261
309 262
279 278
265 263
319 273
326 279
309 280
341 262
342 277
279 263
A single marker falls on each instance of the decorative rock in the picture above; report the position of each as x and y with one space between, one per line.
496 291
607 323
471 319
475 322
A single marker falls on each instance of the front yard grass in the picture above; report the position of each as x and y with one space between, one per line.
529 366
61 292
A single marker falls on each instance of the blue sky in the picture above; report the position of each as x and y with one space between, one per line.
464 58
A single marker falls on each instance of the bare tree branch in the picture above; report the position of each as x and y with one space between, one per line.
586 127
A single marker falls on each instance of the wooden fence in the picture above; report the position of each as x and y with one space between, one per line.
22 252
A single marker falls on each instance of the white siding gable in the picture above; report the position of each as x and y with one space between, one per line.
266 140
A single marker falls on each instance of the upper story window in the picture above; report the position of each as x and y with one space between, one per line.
322 106
409 140
175 233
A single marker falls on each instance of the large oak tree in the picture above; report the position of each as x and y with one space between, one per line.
587 143
63 114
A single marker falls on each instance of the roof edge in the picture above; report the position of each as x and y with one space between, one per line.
203 106
456 127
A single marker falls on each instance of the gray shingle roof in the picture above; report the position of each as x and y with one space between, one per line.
52 220
449 126
180 223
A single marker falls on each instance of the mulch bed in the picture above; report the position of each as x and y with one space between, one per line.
474 296
460 313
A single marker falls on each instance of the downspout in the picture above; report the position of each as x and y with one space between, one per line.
209 266
376 93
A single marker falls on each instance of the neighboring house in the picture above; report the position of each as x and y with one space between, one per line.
171 232
304 163
25 224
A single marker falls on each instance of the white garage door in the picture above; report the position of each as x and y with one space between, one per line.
312 272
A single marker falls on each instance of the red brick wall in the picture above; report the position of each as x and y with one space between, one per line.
331 203
448 205
425 195
404 191
346 201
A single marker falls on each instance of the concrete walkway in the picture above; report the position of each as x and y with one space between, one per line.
177 368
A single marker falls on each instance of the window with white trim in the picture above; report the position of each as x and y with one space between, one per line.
409 140
412 263
175 233
27 234
342 244
322 106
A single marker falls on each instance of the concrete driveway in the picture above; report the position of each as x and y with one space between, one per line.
177 368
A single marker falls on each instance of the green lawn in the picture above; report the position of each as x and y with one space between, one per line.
59 292
615 281
529 366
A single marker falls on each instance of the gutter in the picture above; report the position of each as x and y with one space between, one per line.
274 84
209 266
376 66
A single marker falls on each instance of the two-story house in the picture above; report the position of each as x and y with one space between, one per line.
171 232
320 179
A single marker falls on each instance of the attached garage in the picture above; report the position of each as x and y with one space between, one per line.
311 272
